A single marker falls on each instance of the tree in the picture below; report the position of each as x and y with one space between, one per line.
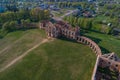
5 26
75 21
46 14
89 24
12 25
34 14
37 14
71 19
9 26
23 14
79 21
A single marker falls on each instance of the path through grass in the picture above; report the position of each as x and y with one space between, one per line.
16 43
56 60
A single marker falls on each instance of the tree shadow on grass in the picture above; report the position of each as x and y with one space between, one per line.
104 51
66 39
96 40
1 37
83 31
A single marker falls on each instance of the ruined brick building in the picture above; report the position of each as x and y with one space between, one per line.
107 66
59 29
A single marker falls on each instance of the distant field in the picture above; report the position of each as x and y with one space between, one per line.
56 60
107 43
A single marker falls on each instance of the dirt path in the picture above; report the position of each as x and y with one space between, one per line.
10 45
23 55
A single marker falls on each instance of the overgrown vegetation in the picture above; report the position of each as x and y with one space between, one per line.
89 24
109 13
99 17
107 43
107 72
23 19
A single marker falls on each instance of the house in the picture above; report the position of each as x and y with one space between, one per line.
44 6
116 31
87 14
109 24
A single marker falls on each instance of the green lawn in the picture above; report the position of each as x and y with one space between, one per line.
16 43
107 43
56 60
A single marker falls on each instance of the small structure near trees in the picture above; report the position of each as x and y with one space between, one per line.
116 31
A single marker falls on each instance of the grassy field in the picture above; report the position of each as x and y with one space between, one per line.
107 43
60 59
56 60
16 43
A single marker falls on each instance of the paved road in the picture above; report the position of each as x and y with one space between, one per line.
69 13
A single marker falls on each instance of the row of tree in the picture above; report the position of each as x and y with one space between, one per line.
88 23
82 5
34 15
10 21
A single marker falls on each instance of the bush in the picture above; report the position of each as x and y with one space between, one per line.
2 33
9 26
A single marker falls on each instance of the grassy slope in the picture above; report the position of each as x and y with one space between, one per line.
106 42
57 60
15 43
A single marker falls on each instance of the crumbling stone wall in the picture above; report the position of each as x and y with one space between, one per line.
60 29
90 43
112 66
111 61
